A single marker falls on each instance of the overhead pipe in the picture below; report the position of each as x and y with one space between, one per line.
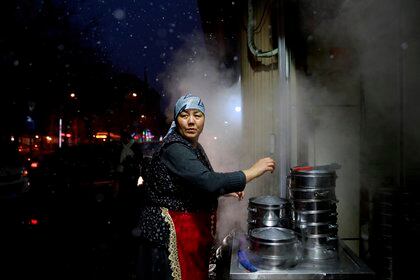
285 129
250 36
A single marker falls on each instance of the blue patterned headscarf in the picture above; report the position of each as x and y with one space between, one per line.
185 102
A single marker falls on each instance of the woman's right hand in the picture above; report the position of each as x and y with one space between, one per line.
259 168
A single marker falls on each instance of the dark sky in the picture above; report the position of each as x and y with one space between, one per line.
46 50
136 34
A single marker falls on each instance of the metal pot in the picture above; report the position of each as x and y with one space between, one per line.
316 228
314 216
268 211
314 204
312 178
306 193
223 253
274 247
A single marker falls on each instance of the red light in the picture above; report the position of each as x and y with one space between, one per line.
34 164
33 221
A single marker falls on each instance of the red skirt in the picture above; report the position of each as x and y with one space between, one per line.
193 242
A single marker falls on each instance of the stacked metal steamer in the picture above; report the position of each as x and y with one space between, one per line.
273 244
314 211
268 211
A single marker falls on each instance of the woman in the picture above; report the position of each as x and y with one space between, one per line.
181 189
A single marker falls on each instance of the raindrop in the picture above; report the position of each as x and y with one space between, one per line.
119 14
16 63
404 46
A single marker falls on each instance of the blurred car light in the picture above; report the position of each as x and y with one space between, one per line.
33 221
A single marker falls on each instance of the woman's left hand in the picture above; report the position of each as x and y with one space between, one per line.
238 195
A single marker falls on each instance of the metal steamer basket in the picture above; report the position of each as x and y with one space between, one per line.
316 178
274 247
314 204
269 211
306 229
314 210
312 193
314 216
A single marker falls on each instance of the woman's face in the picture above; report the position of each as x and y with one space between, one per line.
190 124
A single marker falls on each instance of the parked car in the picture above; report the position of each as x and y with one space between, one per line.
13 179
14 188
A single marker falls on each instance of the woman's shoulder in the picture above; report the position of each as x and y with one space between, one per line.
175 140
175 148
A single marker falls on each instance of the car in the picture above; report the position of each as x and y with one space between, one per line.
13 174
14 187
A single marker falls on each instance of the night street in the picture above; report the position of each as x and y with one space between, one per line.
209 140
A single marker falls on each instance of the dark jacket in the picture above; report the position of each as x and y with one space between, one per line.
180 177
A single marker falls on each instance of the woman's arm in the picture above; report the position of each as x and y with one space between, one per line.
183 162
259 168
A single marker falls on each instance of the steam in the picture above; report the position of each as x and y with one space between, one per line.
357 99
193 69
350 94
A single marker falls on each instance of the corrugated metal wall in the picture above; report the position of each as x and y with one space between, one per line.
324 110
259 97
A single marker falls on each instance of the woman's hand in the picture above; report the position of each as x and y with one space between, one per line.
238 195
259 168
